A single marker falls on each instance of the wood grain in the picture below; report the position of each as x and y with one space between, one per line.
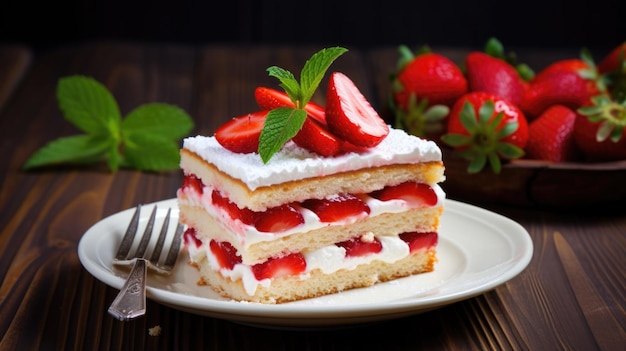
572 296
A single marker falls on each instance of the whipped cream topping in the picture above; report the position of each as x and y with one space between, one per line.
293 162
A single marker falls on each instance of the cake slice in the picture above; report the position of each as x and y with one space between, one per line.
303 224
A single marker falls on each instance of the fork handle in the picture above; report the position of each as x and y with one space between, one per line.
130 302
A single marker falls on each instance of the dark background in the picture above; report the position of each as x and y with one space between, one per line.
598 25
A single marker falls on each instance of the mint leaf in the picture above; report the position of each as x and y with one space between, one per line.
147 139
78 149
281 124
88 105
150 152
162 119
315 69
288 83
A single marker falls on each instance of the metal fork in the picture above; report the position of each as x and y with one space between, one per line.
131 300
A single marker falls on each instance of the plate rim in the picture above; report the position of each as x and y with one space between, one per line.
314 315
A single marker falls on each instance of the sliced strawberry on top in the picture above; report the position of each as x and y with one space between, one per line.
225 254
278 219
192 181
275 267
418 241
415 194
269 99
360 246
337 208
241 134
315 137
350 116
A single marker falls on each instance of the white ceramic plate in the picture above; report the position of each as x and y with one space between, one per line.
478 250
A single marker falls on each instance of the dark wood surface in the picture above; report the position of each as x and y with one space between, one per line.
572 296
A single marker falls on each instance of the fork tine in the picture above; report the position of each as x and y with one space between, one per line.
172 255
145 239
131 231
156 253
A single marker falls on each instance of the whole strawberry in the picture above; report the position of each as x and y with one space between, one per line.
425 85
429 76
568 82
600 129
495 76
614 60
485 128
551 136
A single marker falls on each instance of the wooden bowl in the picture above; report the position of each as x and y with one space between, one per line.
537 183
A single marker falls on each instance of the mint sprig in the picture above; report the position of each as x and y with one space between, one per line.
146 139
282 124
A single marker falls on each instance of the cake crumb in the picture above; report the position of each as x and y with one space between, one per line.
154 331
367 237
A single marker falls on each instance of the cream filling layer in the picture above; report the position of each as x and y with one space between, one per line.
249 235
329 259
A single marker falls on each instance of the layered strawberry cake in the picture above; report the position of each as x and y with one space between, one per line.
305 224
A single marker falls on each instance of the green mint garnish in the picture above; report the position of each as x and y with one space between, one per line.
283 123
146 139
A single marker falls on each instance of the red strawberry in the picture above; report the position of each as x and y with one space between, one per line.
241 134
225 254
551 135
600 130
614 60
275 267
245 215
360 246
314 136
415 194
418 241
493 75
350 116
337 208
278 219
269 99
483 128
189 237
191 181
429 76
560 83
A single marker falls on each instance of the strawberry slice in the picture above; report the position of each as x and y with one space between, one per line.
350 116
225 254
245 215
415 194
275 267
241 134
418 241
269 99
278 219
337 208
192 181
315 137
189 237
360 246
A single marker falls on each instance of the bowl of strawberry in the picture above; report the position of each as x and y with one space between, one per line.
554 138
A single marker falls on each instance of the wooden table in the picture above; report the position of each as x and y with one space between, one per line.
571 296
